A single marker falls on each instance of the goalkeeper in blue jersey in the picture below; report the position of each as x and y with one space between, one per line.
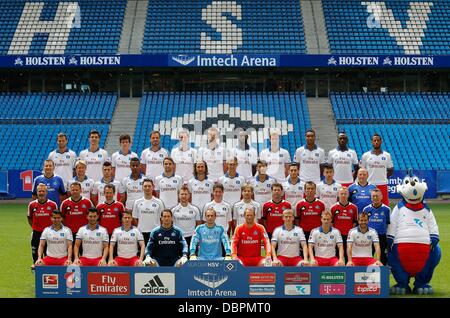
209 239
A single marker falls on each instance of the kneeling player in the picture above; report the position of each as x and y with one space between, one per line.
59 243
94 240
128 238
359 244
323 240
289 238
247 241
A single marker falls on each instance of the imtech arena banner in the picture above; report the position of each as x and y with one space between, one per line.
224 60
429 176
212 279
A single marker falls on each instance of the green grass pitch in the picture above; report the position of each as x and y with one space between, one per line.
16 279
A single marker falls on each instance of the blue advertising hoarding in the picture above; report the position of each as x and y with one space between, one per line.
429 176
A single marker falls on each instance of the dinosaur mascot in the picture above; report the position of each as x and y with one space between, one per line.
413 237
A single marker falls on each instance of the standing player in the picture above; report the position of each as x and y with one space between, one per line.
323 242
293 187
147 210
310 209
97 196
277 158
64 159
132 184
344 161
214 155
95 241
232 183
359 244
289 239
94 156
272 212
152 157
200 187
184 157
359 192
168 184
128 240
379 219
327 190
209 239
185 215
246 202
247 240
56 190
262 184
379 166
311 159
59 243
120 160
222 208
111 210
247 157
39 217
87 185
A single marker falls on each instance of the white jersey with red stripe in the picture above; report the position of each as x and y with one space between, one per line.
57 241
127 241
288 241
362 242
328 193
325 243
377 166
92 240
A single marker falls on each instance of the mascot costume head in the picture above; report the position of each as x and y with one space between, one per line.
413 237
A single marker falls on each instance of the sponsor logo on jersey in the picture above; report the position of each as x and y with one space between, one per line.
108 283
154 284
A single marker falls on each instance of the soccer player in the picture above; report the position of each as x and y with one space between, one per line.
247 239
209 239
87 185
345 215
311 159
309 210
185 215
64 158
289 239
344 161
262 184
327 190
184 157
379 166
222 208
120 160
55 184
214 155
359 244
379 219
59 243
39 217
293 187
200 186
247 157
360 190
97 196
94 240
75 208
167 246
94 156
111 210
232 183
323 242
147 210
129 243
277 158
132 184
272 211
246 202
153 156
168 184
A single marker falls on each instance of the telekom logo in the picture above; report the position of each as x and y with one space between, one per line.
27 180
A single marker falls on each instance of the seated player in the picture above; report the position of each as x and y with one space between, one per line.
59 243
323 241
128 238
289 238
94 240
247 239
359 244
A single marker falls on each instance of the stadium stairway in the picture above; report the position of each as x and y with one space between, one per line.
123 122
133 28
323 122
314 25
